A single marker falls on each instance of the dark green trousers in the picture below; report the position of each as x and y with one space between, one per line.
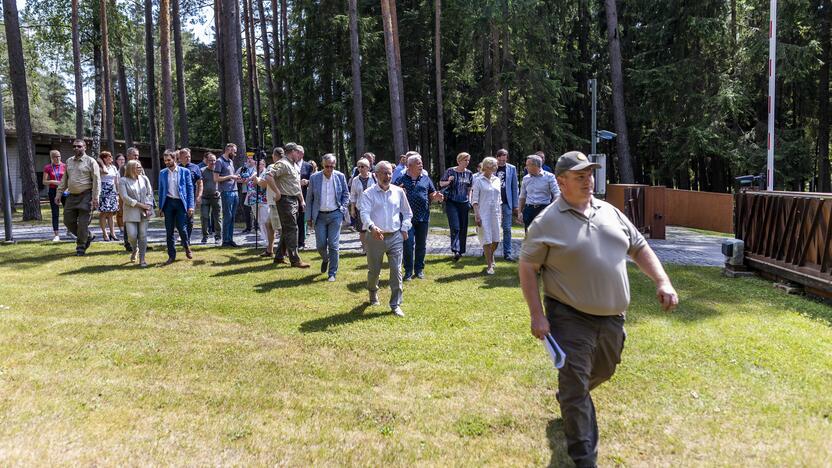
593 346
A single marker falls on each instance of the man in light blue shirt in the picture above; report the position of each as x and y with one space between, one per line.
401 168
538 190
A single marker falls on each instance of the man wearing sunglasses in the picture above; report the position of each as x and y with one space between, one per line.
83 182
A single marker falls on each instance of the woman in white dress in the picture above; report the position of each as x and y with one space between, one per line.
485 198
137 193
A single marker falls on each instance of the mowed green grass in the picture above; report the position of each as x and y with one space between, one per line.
228 360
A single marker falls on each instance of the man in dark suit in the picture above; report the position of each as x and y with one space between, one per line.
326 203
176 203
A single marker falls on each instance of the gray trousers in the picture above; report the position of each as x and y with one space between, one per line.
392 246
593 346
287 210
77 216
210 210
137 236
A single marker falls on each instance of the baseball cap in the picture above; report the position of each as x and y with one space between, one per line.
574 161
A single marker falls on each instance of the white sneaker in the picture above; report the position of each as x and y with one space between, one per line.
398 311
489 271
373 298
56 239
331 279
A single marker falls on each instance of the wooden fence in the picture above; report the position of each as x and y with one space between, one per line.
787 235
650 208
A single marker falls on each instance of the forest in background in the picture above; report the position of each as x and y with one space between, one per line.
686 81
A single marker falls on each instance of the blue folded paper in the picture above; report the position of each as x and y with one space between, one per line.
555 352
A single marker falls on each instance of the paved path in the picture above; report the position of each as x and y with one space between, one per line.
682 246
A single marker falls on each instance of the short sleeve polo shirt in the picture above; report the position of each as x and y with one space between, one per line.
584 259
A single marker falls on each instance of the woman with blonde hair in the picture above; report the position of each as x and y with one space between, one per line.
137 193
108 200
456 182
486 200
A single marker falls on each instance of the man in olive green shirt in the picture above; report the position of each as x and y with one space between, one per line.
83 181
284 180
579 246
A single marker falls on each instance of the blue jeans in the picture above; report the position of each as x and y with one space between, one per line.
458 222
416 241
229 209
175 215
327 236
507 218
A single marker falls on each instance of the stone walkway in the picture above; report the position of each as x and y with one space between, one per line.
682 246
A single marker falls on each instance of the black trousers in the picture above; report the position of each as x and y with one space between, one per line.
593 346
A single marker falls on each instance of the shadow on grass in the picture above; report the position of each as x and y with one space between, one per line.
267 265
360 286
287 283
557 444
355 315
93 269
32 262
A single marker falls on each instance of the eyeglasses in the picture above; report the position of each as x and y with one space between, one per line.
327 166
77 146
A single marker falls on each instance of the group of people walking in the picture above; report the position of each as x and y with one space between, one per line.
575 248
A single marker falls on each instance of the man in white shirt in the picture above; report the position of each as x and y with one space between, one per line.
386 213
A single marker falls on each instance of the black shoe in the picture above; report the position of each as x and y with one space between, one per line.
80 253
169 261
324 265
230 244
246 231
128 247
280 260
205 240
456 256
90 238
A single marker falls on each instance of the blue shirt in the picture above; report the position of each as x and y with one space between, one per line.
458 189
246 172
196 173
417 191
224 168
399 171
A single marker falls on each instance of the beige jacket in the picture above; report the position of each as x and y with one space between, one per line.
134 191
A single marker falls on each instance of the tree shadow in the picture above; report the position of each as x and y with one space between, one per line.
235 260
93 269
32 262
286 283
557 444
247 269
355 315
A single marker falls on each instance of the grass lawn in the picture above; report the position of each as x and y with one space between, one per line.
227 360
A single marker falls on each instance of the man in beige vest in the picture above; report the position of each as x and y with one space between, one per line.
579 247
83 181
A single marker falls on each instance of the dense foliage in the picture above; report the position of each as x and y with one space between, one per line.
514 75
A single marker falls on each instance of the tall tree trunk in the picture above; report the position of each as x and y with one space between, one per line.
76 65
399 137
357 96
585 124
220 41
622 141
395 26
124 99
823 96
490 87
286 83
506 66
106 82
253 110
233 76
150 77
22 119
184 138
137 77
96 110
267 60
167 82
437 65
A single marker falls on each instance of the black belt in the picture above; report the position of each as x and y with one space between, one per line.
327 212
537 206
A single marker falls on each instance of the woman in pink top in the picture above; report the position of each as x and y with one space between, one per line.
52 174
